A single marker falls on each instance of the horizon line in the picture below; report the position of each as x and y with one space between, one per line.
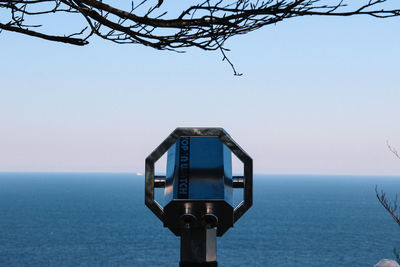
140 173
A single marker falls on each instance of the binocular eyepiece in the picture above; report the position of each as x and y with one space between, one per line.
207 221
198 189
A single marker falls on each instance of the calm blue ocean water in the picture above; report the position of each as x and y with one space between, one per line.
101 220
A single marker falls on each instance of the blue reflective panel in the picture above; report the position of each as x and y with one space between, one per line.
172 166
199 168
228 174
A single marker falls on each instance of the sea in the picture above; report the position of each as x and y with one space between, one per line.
99 219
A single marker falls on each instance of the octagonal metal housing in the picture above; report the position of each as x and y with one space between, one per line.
208 198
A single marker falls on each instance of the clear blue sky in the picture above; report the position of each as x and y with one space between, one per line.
318 96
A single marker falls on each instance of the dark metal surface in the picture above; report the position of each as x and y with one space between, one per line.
238 182
202 264
160 181
199 245
198 208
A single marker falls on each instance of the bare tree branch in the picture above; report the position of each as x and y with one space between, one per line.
390 206
393 150
206 25
63 39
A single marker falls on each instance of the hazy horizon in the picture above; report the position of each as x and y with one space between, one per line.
142 174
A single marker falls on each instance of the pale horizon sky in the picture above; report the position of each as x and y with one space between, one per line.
318 96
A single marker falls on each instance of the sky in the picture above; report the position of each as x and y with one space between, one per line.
317 96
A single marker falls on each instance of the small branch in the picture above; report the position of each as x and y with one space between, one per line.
390 206
393 150
230 63
62 39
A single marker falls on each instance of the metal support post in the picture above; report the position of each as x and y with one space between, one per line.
199 247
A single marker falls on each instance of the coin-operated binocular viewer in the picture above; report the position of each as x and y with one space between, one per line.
198 189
